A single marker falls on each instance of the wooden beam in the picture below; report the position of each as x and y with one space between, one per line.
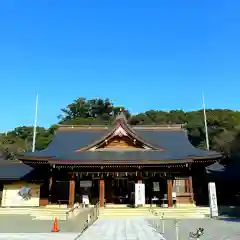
169 187
101 192
71 190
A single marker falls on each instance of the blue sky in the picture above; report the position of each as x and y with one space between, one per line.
141 54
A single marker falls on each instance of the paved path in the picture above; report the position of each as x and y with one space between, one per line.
39 236
121 229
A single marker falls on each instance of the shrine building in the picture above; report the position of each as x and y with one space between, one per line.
103 163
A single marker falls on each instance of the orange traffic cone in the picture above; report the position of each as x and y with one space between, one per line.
55 226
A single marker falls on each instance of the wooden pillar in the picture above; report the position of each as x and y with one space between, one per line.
139 174
169 187
101 192
79 190
50 188
71 190
186 185
190 185
50 182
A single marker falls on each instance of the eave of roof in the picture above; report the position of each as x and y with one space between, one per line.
117 162
14 170
127 157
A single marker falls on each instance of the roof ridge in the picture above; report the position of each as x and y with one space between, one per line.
164 128
85 127
61 126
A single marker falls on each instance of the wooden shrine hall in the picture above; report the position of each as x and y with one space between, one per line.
103 163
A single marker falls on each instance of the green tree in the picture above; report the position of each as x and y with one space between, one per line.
94 111
223 125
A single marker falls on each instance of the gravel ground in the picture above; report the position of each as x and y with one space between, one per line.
221 229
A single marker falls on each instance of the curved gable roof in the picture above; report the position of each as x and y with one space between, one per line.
75 143
122 125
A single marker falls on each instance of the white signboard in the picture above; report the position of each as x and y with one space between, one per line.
16 195
85 184
213 199
139 194
174 195
85 199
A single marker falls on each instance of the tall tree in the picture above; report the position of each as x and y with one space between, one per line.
92 111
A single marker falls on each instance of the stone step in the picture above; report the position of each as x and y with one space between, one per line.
170 213
126 214
119 217
122 210
182 211
49 218
48 214
32 209
35 212
167 217
158 211
49 211
56 206
52 216
10 211
184 216
148 213
198 216
167 209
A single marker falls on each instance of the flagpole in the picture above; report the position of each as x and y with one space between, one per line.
35 125
205 122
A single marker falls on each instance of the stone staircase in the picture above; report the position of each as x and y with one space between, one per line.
181 212
49 213
15 210
42 213
115 212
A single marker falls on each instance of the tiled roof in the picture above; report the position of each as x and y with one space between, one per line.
175 143
11 170
162 142
65 142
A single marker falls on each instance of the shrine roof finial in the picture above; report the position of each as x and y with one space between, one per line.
121 115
